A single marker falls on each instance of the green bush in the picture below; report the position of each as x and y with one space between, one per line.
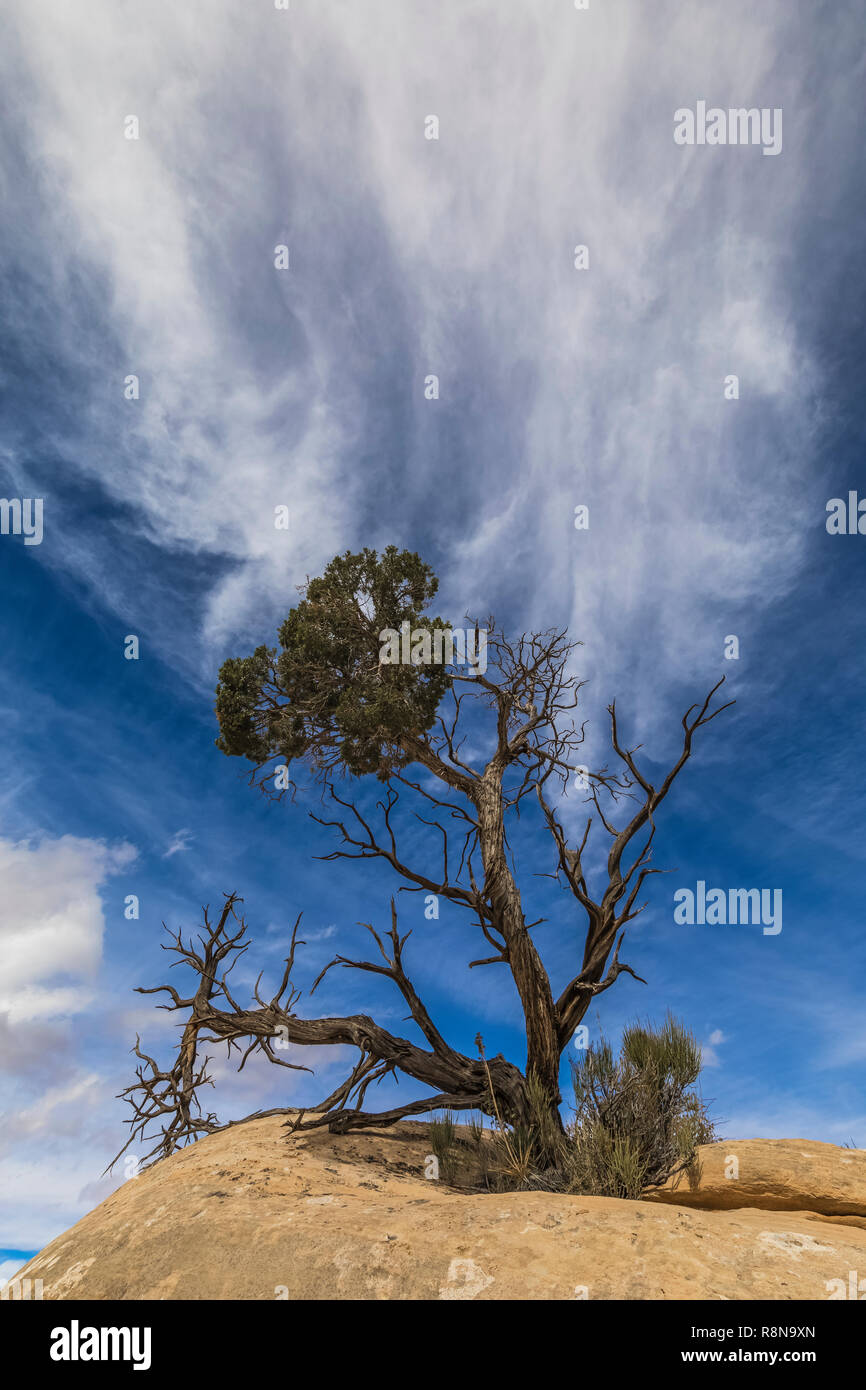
637 1119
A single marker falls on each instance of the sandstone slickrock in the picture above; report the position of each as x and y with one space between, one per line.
248 1214
773 1175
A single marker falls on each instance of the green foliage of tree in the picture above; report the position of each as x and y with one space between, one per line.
325 696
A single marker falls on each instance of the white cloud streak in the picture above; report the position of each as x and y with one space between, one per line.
601 387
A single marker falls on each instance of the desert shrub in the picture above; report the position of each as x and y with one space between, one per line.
637 1118
637 1121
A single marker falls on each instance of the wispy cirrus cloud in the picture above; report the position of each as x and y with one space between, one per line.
601 387
180 841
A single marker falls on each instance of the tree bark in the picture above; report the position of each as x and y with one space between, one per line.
530 977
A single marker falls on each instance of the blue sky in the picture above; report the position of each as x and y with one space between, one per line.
558 388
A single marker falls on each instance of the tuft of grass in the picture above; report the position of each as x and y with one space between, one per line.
476 1129
443 1141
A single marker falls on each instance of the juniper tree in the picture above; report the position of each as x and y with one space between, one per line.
325 705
